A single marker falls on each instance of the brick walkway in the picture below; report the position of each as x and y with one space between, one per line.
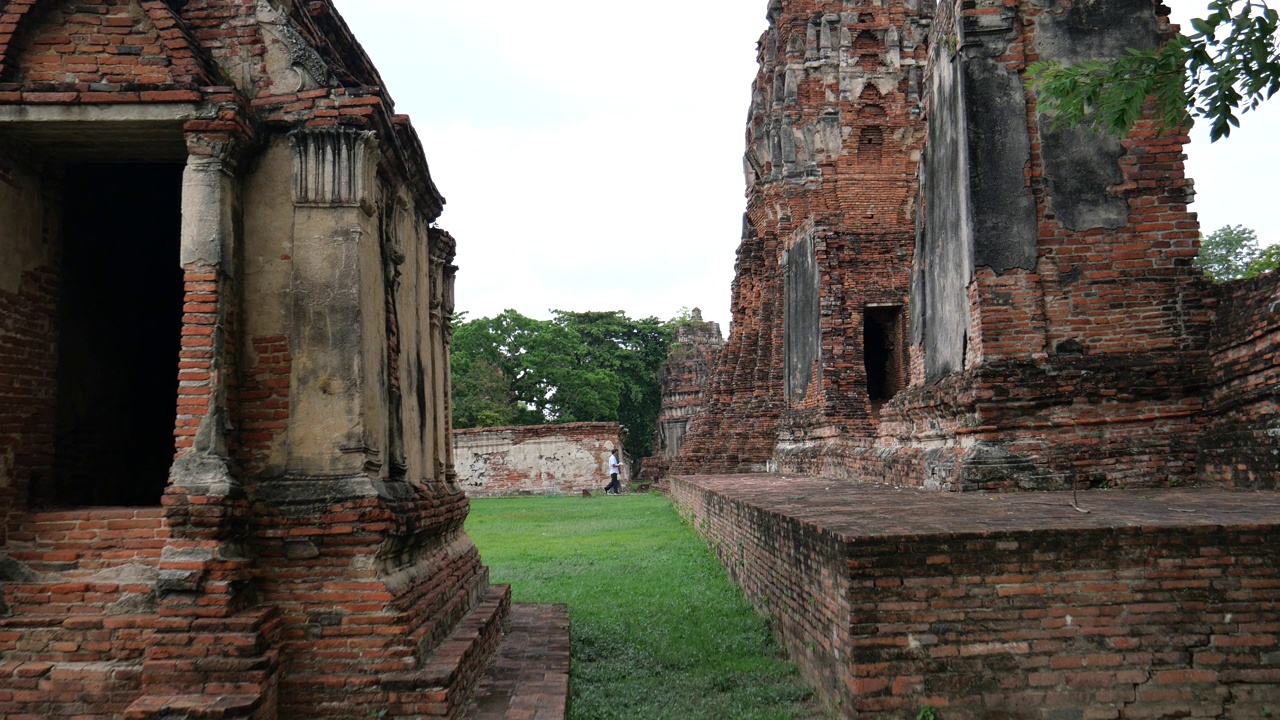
851 510
529 678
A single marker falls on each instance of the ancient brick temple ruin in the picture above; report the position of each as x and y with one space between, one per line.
216 237
938 289
683 377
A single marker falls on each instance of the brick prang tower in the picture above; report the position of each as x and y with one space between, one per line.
833 144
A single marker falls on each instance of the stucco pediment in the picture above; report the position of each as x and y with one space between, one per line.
311 49
292 64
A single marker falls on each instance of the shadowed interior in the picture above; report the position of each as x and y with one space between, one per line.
120 320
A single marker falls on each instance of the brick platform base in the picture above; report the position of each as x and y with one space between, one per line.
82 636
529 677
1153 604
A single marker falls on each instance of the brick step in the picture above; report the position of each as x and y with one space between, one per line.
84 519
75 639
68 689
243 706
234 656
452 670
263 620
215 674
528 678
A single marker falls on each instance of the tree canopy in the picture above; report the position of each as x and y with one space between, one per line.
1228 65
576 367
1231 252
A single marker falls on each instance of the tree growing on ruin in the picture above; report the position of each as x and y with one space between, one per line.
577 367
1228 65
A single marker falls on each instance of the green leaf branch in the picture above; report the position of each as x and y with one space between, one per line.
1227 66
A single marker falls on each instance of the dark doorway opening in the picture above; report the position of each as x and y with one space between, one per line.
882 353
120 328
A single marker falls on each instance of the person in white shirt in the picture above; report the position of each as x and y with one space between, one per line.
614 487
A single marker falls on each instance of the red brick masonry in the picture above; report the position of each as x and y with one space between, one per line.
1155 604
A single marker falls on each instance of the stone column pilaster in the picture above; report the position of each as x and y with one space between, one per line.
338 418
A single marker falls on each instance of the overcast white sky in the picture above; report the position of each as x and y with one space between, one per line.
591 152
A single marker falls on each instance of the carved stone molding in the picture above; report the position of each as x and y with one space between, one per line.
302 58
334 167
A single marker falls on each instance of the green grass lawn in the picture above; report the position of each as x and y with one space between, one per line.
658 630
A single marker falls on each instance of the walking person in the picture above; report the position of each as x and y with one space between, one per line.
614 487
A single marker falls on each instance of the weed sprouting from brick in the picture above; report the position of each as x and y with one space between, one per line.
658 631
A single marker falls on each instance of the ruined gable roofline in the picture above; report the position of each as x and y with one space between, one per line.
410 149
328 25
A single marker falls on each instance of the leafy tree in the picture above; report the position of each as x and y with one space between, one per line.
1266 261
1226 253
633 351
1228 65
576 367
533 357
481 394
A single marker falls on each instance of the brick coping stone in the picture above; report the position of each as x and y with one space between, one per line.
850 511
528 678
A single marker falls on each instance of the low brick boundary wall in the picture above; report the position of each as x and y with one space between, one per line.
1156 604
536 459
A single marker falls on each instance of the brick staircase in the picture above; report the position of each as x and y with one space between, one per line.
83 635
212 668
440 686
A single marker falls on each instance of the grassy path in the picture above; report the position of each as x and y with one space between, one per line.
659 632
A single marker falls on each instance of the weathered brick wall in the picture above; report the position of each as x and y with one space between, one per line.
1240 446
1069 353
85 658
790 570
885 609
536 459
99 51
364 624
737 426
262 399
